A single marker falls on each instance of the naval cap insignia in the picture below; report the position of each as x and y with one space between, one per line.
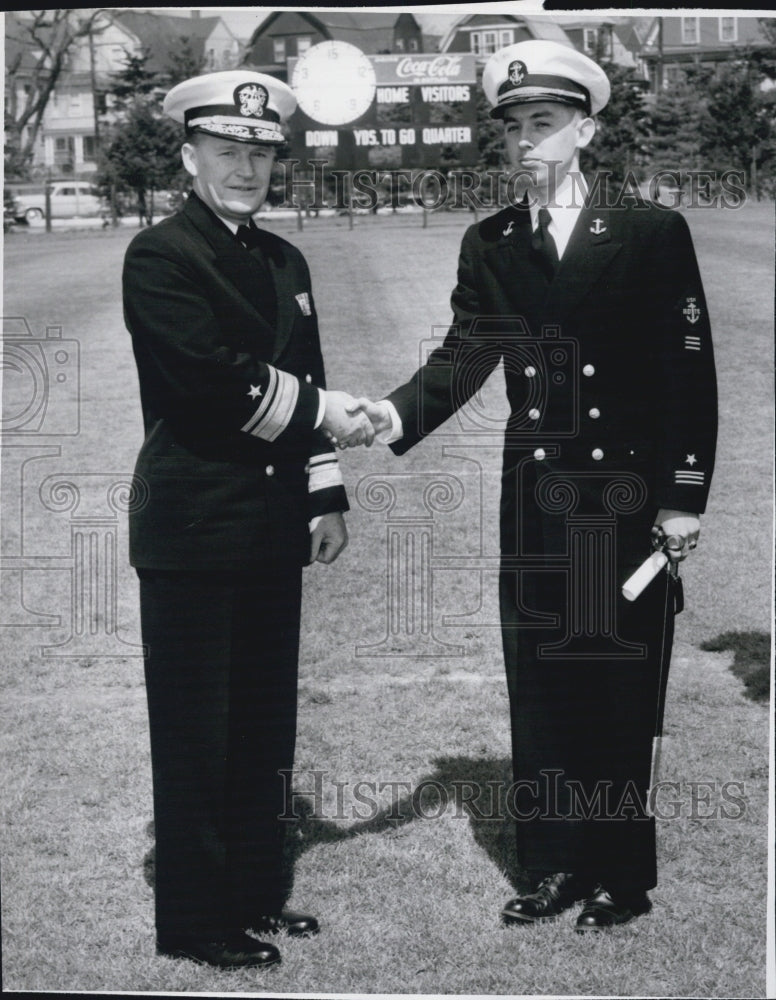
517 72
252 99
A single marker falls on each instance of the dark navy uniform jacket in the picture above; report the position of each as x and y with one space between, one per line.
231 469
608 368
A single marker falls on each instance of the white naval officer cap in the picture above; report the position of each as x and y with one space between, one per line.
236 104
540 70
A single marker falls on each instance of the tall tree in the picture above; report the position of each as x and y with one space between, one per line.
674 141
620 141
142 153
183 62
738 127
38 44
134 83
143 156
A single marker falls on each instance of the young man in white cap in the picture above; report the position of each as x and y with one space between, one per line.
238 488
598 313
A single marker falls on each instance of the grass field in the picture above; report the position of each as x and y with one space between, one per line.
409 904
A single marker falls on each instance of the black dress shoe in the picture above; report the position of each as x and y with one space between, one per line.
603 909
295 924
552 896
238 951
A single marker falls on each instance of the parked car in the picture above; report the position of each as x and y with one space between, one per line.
68 199
12 211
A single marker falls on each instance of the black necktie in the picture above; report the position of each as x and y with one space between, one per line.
250 237
544 244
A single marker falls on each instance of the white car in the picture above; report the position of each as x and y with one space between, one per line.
68 199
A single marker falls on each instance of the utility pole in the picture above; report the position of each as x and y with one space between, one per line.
93 82
659 80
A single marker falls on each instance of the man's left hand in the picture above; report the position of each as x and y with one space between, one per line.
681 524
328 538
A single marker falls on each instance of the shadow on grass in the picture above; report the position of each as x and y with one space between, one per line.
473 788
751 660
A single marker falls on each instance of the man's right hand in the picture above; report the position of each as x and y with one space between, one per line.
344 423
378 413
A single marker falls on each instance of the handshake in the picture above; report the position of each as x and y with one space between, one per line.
348 422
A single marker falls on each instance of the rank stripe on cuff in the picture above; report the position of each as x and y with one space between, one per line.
276 409
324 473
689 478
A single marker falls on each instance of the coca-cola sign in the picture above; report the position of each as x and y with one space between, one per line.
429 69
421 67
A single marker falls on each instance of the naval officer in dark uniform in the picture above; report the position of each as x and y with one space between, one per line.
238 488
595 306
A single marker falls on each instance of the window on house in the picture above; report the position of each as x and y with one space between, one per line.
690 31
74 104
728 29
483 43
279 49
399 44
90 148
226 59
590 40
303 43
414 45
505 37
64 150
210 59
489 41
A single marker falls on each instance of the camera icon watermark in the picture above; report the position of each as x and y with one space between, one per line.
545 367
41 381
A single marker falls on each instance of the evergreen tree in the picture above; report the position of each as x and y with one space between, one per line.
143 157
142 154
620 142
134 82
674 141
737 126
490 136
182 63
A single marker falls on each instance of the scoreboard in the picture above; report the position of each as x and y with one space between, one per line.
384 112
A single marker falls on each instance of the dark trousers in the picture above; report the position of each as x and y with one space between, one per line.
582 732
221 679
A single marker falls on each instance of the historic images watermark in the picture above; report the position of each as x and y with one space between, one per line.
554 797
488 190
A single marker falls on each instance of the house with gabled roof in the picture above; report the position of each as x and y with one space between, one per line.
288 34
67 140
484 34
674 43
209 39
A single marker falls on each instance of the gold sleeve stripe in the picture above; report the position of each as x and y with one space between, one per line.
265 403
324 476
277 407
689 478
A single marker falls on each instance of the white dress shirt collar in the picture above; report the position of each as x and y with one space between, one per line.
564 210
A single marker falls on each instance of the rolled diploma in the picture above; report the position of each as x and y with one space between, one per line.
647 572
